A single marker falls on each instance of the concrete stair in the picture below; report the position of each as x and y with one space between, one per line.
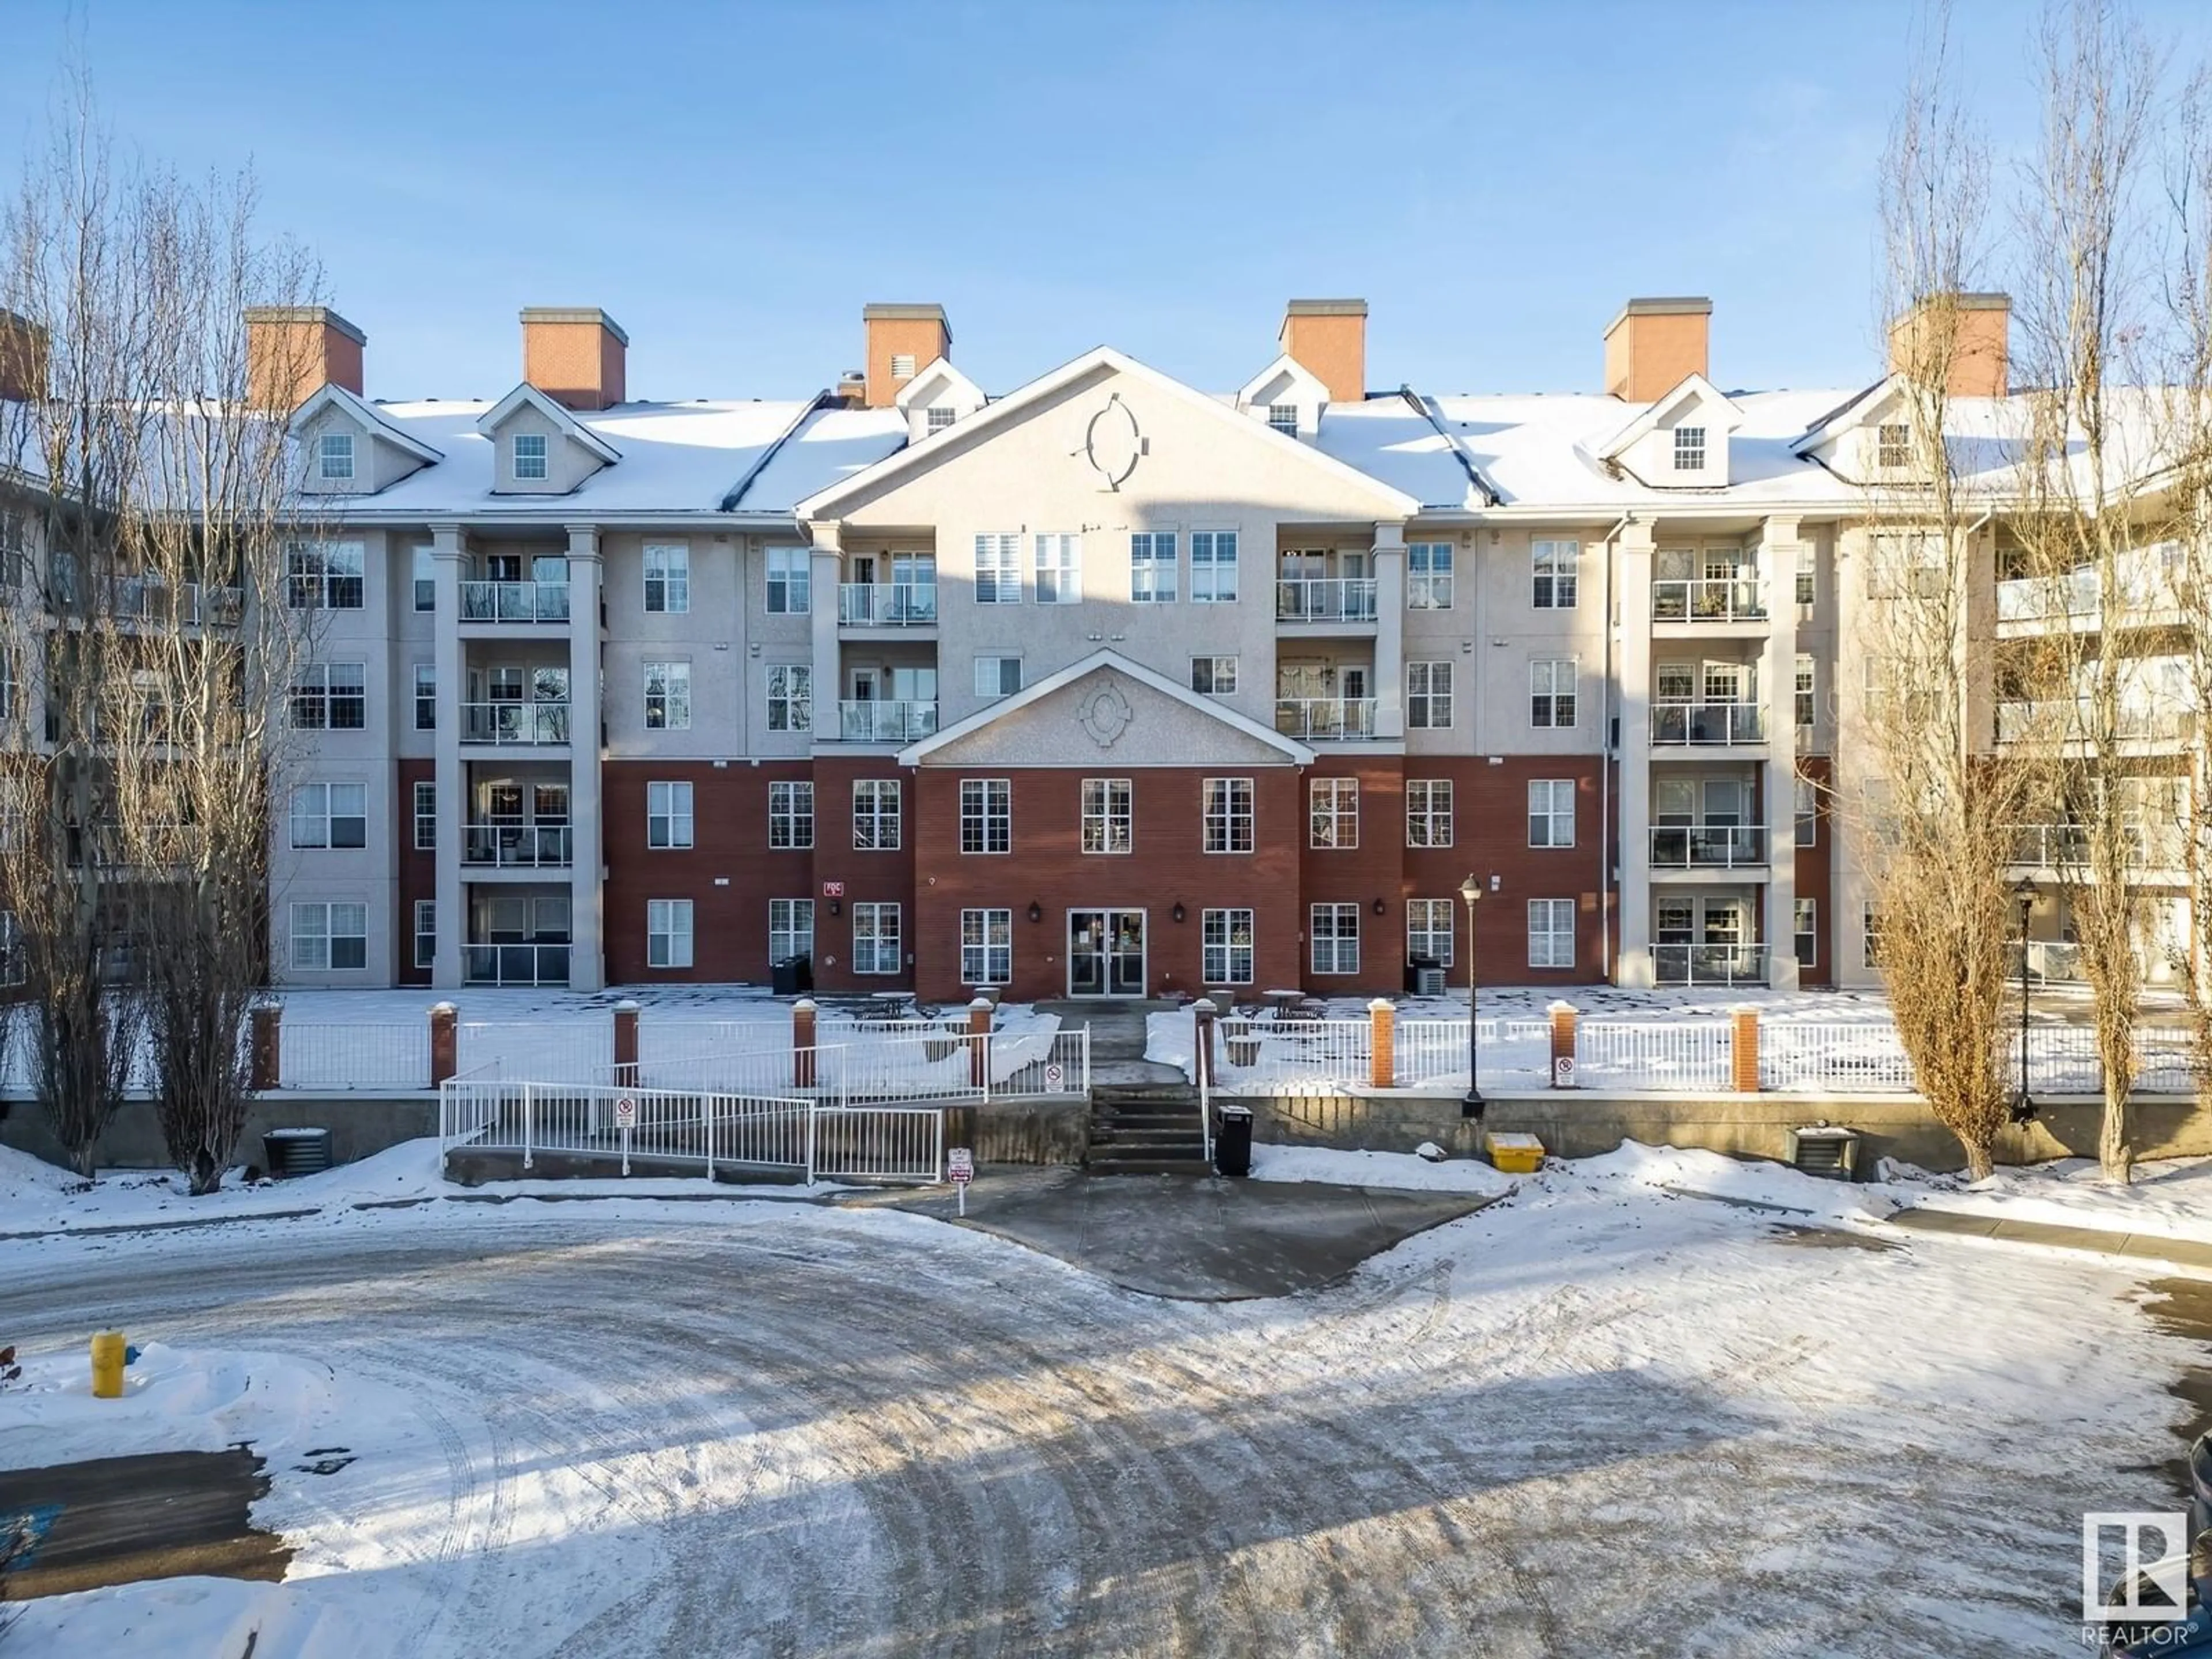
1146 1128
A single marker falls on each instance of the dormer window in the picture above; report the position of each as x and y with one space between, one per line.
1892 447
940 416
335 453
903 366
1283 418
1689 449
530 459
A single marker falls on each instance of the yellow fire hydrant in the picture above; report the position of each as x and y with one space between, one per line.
107 1360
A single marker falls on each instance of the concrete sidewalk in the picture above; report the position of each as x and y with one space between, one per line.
1194 1239
2098 1241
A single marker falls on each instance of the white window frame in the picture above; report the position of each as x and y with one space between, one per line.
314 687
1059 566
788 582
1110 817
326 575
334 457
992 668
669 823
1429 693
425 935
938 417
1869 936
316 812
1892 446
1689 449
1805 931
668 933
1429 574
1331 949
1333 814
998 568
668 578
1222 960
1551 812
1544 934
987 817
1424 936
1210 670
322 933
878 804
1805 691
1429 810
987 946
873 944
787 696
423 560
1154 566
1283 418
533 464
1805 809
1807 576
1226 814
1213 566
426 818
1555 574
789 911
1547 700
791 815
672 701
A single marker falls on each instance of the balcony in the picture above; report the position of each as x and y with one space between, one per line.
512 844
2075 723
881 722
1710 964
2066 846
1326 600
887 605
2150 579
1708 845
146 600
527 723
1708 600
1707 725
1327 718
516 964
514 602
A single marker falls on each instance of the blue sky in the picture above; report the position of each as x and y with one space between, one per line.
732 182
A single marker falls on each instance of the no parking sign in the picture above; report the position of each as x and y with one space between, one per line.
626 1112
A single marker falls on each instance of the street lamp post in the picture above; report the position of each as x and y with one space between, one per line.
2023 1105
1471 1106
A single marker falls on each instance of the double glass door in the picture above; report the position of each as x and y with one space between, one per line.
1106 953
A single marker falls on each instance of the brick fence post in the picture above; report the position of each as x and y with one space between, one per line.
1205 1013
802 1043
979 1043
1743 1051
1563 1015
268 1051
1382 1044
626 1043
445 1042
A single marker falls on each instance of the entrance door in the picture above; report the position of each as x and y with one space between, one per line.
1106 953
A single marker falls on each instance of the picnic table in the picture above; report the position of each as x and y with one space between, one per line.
892 1005
1282 1002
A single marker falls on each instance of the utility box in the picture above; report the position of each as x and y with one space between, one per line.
1826 1150
1516 1154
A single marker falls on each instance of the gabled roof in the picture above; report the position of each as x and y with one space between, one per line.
1011 409
1847 414
1303 380
567 423
1692 387
1294 753
940 371
362 413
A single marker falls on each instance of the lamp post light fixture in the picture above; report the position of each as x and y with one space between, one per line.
2023 1104
1471 1105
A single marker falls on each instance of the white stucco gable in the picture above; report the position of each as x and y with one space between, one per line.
1110 710
1680 442
939 387
1286 383
572 452
377 454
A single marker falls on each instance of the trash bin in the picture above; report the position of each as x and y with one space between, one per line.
791 976
296 1152
1232 1141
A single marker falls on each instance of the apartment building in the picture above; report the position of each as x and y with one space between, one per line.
1105 685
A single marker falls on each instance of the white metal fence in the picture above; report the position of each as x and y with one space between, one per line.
1850 1058
1678 1055
391 1055
941 1064
570 1048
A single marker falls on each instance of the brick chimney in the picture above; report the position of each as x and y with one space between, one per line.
1654 345
903 341
22 359
293 351
1327 338
1966 337
577 356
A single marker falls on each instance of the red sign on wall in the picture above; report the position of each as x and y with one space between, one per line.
832 889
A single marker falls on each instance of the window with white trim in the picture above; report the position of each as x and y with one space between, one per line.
1428 576
1212 567
937 417
425 559
1892 447
876 939
334 456
1689 449
1153 567
1552 692
987 815
1555 568
1806 932
791 696
987 946
326 575
1333 813
1550 933
329 937
1283 418
790 928
329 815
1225 947
1227 813
668 578
668 696
426 818
668 932
1428 696
426 933
1333 932
998 677
1870 935
1058 570
1805 693
790 817
1806 805
876 815
790 581
14 551
997 569
331 696
531 458
7 683
1428 812
1808 573
668 815
1550 811
1110 817
1429 930
1213 677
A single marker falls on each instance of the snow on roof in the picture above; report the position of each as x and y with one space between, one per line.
829 447
1391 440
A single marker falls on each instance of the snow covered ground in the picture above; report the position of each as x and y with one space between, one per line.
1402 1170
2172 1198
1604 1416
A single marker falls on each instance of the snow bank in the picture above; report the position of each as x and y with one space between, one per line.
1689 1172
2167 1199
1325 1164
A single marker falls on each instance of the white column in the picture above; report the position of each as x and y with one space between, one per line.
1389 563
827 567
450 776
1778 673
1635 965
587 954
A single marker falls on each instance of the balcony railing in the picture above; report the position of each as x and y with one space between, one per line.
2146 592
881 722
143 598
1707 725
892 604
2057 721
514 722
2055 846
514 602
1708 845
516 964
1325 718
1711 964
1326 599
1708 600
515 846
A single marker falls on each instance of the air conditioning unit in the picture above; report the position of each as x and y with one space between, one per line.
1826 1150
